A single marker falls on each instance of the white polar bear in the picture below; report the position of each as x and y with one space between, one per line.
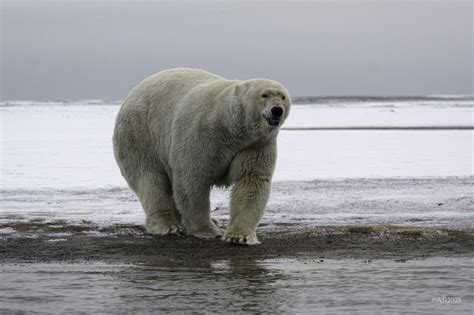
182 131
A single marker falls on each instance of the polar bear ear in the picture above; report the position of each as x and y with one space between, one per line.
240 89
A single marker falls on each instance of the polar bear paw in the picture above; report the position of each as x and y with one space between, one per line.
164 228
208 231
242 239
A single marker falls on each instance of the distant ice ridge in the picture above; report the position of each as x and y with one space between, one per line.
452 96
402 115
381 101
378 101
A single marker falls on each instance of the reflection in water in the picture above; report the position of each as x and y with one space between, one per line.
281 286
214 287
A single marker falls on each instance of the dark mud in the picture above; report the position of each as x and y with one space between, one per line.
35 242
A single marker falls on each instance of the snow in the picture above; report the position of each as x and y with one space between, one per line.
70 146
382 115
306 155
414 202
58 164
7 230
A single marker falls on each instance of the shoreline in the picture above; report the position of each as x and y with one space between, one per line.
38 242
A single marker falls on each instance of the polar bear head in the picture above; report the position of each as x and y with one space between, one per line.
265 103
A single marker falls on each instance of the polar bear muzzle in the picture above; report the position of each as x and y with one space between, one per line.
277 111
273 116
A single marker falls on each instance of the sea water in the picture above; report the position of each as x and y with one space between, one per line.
289 286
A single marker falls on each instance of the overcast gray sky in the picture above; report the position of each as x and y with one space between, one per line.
101 49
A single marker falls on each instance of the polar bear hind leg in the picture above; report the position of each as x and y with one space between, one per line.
154 192
194 206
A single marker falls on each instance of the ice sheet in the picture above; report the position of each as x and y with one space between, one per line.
57 164
445 202
66 146
382 115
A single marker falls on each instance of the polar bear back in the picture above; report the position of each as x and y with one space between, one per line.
144 125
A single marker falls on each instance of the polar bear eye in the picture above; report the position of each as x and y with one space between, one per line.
283 97
264 95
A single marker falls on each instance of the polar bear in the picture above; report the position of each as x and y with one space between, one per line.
182 131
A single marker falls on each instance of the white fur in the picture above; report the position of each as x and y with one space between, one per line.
182 131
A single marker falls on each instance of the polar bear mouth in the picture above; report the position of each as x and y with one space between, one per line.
273 121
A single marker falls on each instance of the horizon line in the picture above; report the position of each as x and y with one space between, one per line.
299 98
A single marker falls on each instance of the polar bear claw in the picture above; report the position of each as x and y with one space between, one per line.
241 239
164 228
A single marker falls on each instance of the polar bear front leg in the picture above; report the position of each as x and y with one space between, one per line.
248 201
252 171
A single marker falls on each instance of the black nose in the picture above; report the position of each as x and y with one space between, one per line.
277 111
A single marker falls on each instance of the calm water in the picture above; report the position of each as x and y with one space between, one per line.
282 286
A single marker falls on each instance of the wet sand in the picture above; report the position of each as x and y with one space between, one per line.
35 242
